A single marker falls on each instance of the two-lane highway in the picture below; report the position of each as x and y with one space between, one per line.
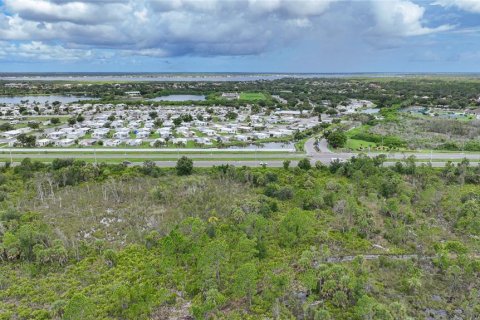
325 155
214 157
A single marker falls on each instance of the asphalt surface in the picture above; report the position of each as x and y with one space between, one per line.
253 158
328 156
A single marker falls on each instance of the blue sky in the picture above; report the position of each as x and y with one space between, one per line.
240 35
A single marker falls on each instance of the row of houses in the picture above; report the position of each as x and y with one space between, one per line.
115 124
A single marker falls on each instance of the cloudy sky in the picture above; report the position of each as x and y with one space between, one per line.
240 35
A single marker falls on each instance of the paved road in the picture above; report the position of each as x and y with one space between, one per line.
143 150
328 156
154 156
247 163
322 154
322 147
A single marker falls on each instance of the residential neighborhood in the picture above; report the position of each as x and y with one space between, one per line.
113 125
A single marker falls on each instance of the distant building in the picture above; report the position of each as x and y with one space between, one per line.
279 99
133 93
16 85
230 96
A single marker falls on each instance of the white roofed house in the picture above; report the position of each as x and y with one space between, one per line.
181 129
112 143
116 124
11 134
199 123
164 132
223 139
168 123
148 125
208 132
241 137
134 142
231 95
288 119
133 93
228 130
245 129
43 142
67 130
286 132
179 141
75 134
272 119
96 124
142 134
276 134
87 142
260 135
65 142
100 133
203 141
291 113
121 134
55 135
255 119
134 125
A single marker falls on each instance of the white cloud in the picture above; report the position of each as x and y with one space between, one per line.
303 8
40 51
162 28
466 5
402 18
82 12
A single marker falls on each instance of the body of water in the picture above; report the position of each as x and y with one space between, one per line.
43 99
219 77
180 97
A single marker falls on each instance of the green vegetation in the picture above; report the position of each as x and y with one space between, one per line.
184 166
362 138
354 240
336 139
354 144
252 96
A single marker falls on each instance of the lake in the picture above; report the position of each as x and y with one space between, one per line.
43 99
180 97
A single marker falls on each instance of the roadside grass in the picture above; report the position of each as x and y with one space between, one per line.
300 144
355 144
447 160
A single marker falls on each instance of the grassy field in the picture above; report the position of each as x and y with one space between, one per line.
252 96
355 144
